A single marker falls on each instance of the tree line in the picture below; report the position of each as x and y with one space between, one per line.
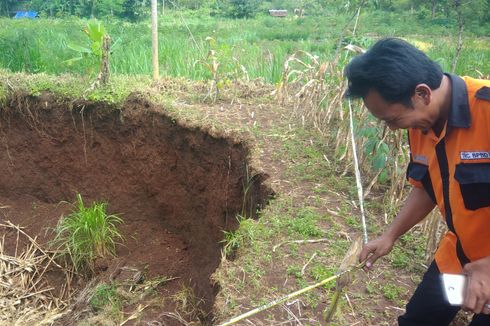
129 9
138 9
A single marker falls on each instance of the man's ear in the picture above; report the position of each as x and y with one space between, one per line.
423 93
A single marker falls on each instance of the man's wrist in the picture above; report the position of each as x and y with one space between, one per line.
390 235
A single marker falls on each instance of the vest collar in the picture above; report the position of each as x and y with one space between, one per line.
459 114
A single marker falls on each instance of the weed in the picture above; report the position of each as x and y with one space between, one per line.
305 227
371 287
399 258
235 239
87 233
353 221
392 292
320 272
295 271
232 240
305 224
105 295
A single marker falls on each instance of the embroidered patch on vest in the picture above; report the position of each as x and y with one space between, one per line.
474 155
483 93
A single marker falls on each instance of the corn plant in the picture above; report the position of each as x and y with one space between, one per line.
223 67
313 87
87 233
212 64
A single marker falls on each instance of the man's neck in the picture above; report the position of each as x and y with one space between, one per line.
443 96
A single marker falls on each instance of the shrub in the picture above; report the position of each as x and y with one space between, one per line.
87 233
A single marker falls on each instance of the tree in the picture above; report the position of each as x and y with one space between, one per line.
6 7
433 10
382 4
466 11
131 9
135 9
188 4
242 8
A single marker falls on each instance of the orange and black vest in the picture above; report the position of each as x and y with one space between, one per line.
454 169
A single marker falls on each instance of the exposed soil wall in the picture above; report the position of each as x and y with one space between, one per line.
175 187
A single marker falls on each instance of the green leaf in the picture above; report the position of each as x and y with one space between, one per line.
78 48
379 161
383 148
96 49
115 44
95 31
383 177
72 60
369 146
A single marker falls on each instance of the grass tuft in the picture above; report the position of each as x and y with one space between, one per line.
106 295
87 233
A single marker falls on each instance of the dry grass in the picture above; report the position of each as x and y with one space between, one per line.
313 87
26 296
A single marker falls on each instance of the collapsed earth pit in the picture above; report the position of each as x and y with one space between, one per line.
176 187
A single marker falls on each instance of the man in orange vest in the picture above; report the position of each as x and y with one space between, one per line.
448 123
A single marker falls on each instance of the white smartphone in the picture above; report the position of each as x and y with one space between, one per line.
454 285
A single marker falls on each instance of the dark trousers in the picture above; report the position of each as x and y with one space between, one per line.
428 306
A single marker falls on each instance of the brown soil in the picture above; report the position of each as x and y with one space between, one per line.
176 187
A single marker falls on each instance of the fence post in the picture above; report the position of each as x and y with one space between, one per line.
154 30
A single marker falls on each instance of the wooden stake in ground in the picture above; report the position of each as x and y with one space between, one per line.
154 31
104 62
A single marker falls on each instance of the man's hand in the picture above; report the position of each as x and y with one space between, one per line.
477 293
417 205
375 249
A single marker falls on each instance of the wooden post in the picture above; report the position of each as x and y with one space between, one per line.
154 30
104 64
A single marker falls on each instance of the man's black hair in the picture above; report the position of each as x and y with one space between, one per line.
392 67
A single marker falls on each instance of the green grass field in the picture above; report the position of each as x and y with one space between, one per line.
260 45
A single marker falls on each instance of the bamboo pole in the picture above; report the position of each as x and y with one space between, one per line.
278 301
291 295
358 174
154 31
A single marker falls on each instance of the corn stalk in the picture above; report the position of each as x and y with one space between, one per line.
315 90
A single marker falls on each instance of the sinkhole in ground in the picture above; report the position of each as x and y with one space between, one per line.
176 187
